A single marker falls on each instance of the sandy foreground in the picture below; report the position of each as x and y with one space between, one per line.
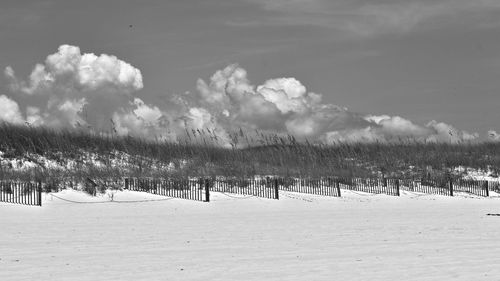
300 237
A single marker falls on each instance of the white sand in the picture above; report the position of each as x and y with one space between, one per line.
300 237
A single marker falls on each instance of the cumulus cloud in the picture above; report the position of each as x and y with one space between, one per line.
69 69
9 111
280 105
384 128
70 83
288 94
364 135
33 116
71 89
398 126
68 113
443 132
493 135
142 120
284 106
148 121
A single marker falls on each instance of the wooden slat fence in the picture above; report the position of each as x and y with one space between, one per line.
320 186
172 187
260 187
494 186
25 193
479 188
371 185
29 193
429 186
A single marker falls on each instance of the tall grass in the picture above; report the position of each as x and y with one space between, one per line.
201 154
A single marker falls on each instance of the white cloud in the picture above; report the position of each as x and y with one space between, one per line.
149 114
69 83
493 135
9 111
398 126
288 94
69 112
33 116
143 120
280 105
443 132
69 70
363 135
386 128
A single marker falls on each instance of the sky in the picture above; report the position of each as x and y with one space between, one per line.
320 69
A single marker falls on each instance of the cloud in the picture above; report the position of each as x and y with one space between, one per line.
284 106
363 135
67 113
288 94
70 70
9 111
443 132
371 18
141 120
386 128
33 116
74 90
229 91
280 105
69 85
493 136
398 126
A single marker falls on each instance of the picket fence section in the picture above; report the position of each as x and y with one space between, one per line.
171 187
25 193
322 186
260 187
429 186
479 188
30 193
371 185
269 187
493 186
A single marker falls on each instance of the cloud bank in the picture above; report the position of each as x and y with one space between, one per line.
101 92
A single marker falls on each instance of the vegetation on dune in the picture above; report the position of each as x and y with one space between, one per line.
80 155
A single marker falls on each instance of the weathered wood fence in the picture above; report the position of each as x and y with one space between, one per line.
479 188
30 193
175 187
371 185
25 193
429 186
269 187
322 186
448 186
260 187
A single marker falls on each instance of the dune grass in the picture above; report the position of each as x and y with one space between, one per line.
95 155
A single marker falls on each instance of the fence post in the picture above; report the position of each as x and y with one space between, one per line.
451 187
486 187
397 187
276 189
39 191
207 190
337 185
